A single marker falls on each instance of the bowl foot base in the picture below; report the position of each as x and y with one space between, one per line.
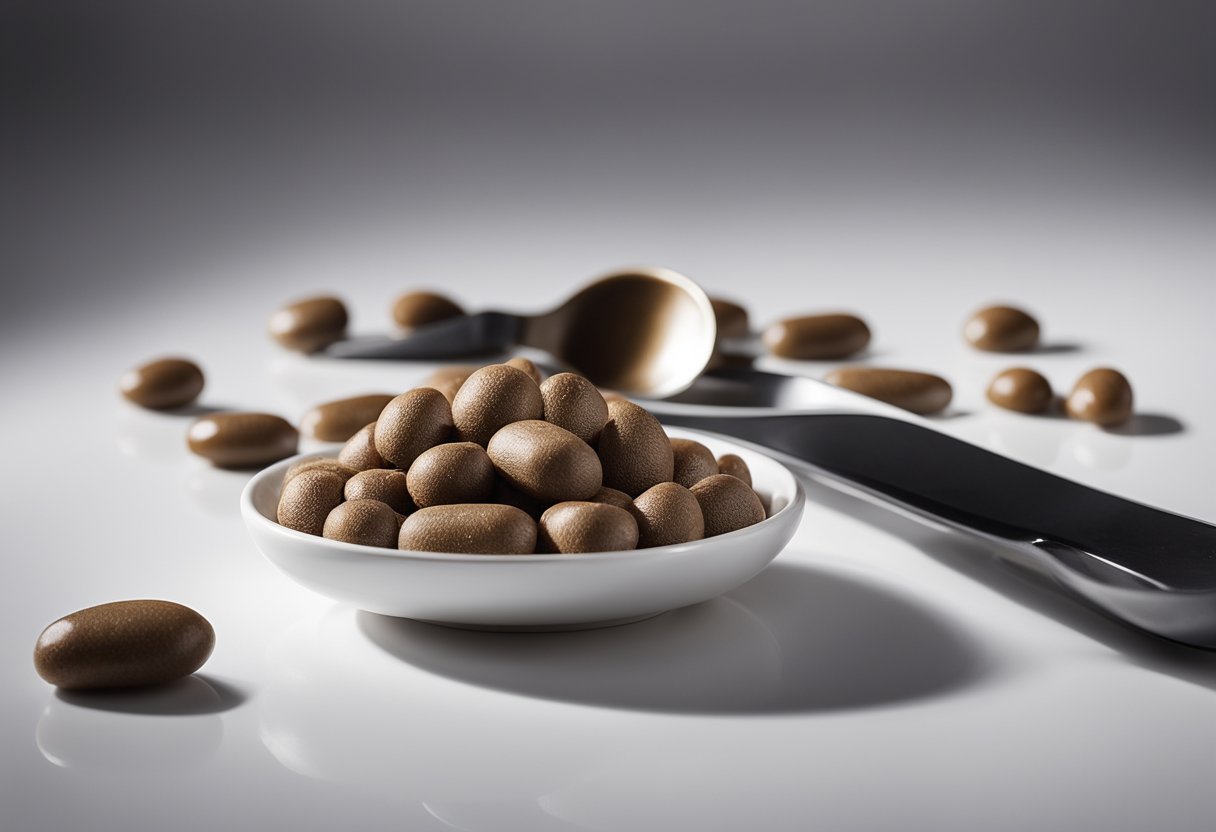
543 628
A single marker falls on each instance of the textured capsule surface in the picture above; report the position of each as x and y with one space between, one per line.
457 472
388 486
545 462
727 504
318 463
339 420
360 452
414 309
310 325
1020 389
668 514
123 644
573 403
307 499
1102 396
817 337
483 529
365 522
413 422
448 380
612 497
242 440
634 449
573 527
492 397
734 465
525 365
1002 329
922 393
692 462
162 384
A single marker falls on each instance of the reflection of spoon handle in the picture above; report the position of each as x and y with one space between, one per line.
482 334
1149 567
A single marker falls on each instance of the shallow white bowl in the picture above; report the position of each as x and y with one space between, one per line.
532 592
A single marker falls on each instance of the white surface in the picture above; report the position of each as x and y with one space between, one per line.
878 675
552 592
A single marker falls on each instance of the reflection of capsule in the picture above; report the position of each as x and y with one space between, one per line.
138 731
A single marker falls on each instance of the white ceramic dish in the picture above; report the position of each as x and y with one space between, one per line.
531 592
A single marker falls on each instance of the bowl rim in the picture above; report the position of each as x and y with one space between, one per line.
252 515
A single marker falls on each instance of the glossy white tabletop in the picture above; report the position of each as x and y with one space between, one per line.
878 675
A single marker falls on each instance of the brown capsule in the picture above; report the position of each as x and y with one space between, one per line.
366 522
572 527
545 462
308 499
415 309
573 403
731 318
612 497
471 529
528 367
310 325
693 462
727 504
318 463
242 440
817 337
360 452
339 420
1020 389
162 384
1102 396
448 380
1002 329
734 465
508 495
123 644
922 393
458 472
668 514
634 449
413 422
389 487
492 397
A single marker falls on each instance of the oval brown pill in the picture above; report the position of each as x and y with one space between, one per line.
731 318
492 397
470 529
162 384
1102 396
360 452
527 367
922 393
734 465
573 403
411 423
817 337
1002 329
448 380
123 644
311 324
545 462
727 504
389 487
415 309
341 419
308 499
458 472
365 522
612 497
668 514
634 449
319 463
692 462
242 440
573 527
1020 389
